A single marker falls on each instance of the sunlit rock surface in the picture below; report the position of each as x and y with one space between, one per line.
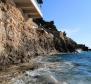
21 38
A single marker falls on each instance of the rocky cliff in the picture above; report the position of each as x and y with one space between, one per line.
21 38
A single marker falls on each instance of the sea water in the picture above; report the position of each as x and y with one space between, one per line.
60 69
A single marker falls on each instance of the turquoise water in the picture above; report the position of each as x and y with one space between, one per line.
60 69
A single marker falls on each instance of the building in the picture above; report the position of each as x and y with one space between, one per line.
30 8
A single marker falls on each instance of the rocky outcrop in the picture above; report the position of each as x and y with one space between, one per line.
62 43
22 39
83 47
89 49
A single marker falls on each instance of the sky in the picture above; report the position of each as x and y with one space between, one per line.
72 16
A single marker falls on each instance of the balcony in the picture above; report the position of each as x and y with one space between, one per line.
30 8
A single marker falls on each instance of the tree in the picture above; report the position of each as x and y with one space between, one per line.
40 1
64 33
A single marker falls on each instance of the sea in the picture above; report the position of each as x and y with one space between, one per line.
70 68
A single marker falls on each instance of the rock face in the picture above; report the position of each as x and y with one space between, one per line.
22 39
83 47
62 43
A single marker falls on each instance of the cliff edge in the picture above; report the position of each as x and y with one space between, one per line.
22 38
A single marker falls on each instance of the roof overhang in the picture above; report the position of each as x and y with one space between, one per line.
29 7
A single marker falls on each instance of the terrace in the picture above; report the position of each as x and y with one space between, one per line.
30 8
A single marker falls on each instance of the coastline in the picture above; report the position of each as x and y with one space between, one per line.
43 65
23 40
15 71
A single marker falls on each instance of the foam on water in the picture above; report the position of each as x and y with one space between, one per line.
66 69
40 76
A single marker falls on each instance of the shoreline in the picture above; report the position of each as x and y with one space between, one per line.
16 70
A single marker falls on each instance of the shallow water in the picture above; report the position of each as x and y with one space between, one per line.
60 69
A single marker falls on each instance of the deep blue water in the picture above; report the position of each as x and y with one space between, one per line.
60 69
75 68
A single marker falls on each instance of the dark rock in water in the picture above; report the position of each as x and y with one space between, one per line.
83 47
89 49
